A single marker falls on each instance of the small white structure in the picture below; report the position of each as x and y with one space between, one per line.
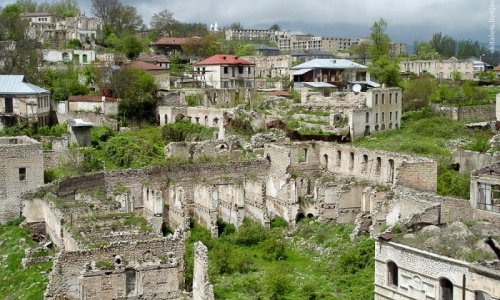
83 57
80 132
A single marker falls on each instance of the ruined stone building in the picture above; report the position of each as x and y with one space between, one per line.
441 69
445 262
358 114
21 170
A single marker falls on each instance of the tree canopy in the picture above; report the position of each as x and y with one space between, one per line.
384 68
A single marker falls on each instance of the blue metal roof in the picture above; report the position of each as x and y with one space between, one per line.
17 85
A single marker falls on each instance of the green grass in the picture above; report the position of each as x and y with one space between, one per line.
244 264
16 282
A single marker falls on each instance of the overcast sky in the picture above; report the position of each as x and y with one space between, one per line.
408 20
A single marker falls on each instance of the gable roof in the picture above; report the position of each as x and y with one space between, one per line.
145 66
17 85
335 63
223 59
171 41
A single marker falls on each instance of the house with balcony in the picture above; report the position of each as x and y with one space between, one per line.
23 101
223 71
334 72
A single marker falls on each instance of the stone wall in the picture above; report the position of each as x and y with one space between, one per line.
21 170
477 112
379 166
472 160
418 273
202 289
157 266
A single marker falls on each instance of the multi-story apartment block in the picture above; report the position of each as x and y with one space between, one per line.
441 69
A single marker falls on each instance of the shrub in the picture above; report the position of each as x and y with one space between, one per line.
184 130
100 134
453 183
279 222
274 249
250 233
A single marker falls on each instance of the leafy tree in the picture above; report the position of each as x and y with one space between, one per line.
132 46
163 23
236 26
424 50
12 28
275 27
136 88
27 6
135 149
201 47
64 8
245 50
63 83
445 45
380 41
125 19
383 68
467 48
103 8
361 50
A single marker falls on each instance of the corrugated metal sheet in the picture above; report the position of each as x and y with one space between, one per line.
301 72
17 85
329 64
320 84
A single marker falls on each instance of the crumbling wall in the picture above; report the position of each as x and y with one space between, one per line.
158 263
471 160
379 166
476 112
202 289
418 175
21 169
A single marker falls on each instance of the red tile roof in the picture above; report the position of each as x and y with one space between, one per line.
87 98
171 41
144 65
497 68
223 59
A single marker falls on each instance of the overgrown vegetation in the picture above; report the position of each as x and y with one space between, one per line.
261 263
16 282
182 131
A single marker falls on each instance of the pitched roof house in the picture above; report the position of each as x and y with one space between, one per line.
225 71
21 100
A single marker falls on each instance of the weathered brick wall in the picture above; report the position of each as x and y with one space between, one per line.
420 176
